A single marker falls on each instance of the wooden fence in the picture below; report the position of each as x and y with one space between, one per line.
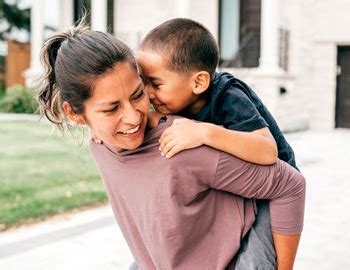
17 61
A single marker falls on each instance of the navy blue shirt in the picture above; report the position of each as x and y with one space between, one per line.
234 105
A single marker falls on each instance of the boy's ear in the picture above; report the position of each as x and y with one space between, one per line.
201 82
71 115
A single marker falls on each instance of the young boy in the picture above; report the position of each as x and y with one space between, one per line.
178 60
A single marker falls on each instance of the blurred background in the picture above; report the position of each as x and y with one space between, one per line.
294 53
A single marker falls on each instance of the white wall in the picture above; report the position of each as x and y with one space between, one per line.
320 27
316 28
134 18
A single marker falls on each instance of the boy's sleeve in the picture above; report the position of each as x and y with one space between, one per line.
280 183
239 112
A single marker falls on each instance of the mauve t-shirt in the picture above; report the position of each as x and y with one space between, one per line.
188 212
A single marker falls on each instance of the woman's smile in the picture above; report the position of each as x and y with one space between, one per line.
133 133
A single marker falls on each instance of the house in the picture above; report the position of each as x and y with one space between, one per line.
294 53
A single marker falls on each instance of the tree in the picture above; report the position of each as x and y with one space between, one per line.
14 17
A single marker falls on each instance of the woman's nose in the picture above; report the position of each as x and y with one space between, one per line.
131 115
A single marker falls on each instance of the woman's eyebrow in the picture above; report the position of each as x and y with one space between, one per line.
117 101
137 88
108 103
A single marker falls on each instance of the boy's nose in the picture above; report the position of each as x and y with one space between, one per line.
150 92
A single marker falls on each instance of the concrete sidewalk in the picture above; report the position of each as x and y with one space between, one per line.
91 240
19 117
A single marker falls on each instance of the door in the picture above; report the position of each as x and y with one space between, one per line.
342 118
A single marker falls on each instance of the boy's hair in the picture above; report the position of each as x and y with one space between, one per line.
185 44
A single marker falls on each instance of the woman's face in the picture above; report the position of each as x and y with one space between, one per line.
117 110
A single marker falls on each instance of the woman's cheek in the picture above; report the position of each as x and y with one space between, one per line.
147 103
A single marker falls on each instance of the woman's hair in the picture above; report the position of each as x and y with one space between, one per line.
72 61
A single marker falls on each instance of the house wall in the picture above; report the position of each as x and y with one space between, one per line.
134 18
292 108
317 28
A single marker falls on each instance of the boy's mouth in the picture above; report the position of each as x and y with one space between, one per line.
157 104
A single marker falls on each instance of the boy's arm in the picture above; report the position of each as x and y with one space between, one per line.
257 146
286 247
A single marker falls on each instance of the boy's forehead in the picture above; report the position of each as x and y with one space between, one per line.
151 61
149 56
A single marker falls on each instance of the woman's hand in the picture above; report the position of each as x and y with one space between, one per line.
181 135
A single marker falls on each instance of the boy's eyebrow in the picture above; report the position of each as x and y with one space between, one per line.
117 101
154 78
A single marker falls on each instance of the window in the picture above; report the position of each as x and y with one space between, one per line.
81 7
283 49
110 16
239 36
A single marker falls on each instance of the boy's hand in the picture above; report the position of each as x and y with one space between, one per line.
183 134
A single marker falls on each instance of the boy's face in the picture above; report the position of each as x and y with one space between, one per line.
170 92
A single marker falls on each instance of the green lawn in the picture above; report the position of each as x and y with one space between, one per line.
43 173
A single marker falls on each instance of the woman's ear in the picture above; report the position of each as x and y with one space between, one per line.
201 82
71 115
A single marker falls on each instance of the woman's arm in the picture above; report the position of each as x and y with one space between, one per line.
283 185
280 183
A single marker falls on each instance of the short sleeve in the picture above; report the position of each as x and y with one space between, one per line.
239 112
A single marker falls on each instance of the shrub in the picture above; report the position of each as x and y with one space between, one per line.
2 88
19 99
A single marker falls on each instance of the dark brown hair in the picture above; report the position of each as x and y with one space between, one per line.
185 44
72 61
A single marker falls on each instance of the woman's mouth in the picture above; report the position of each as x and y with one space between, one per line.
131 133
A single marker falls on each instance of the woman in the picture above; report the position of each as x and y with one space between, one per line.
182 213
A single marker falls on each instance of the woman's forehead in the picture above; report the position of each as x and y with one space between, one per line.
122 79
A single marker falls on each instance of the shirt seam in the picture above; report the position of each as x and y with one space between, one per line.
217 169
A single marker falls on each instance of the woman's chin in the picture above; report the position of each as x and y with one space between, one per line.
137 142
131 141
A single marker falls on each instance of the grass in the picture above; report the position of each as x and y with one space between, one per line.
43 173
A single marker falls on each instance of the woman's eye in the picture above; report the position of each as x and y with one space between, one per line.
111 110
139 95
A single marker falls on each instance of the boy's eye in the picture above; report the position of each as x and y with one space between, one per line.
156 85
143 78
